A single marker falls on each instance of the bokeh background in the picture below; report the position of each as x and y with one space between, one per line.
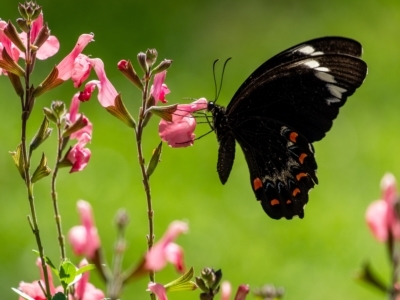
314 258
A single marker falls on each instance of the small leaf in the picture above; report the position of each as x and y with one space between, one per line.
164 112
22 294
48 262
42 170
155 159
68 274
41 135
85 268
59 296
18 160
119 110
182 283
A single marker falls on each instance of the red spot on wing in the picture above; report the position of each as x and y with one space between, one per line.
302 157
295 192
293 136
288 201
257 183
301 175
274 202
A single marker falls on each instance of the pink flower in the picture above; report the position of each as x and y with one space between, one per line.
158 290
159 89
166 251
381 215
226 290
79 155
85 290
66 66
82 68
179 132
107 92
49 48
84 238
5 43
73 116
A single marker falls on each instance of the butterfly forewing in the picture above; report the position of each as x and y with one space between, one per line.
286 104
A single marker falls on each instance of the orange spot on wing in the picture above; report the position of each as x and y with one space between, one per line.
302 157
257 183
301 175
288 201
274 202
293 136
295 192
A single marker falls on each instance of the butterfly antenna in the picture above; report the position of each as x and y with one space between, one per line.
222 78
215 79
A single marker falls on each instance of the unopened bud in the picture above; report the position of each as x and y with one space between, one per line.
142 62
164 65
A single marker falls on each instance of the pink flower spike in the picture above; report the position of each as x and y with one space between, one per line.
66 66
165 250
381 215
84 239
179 132
78 155
158 290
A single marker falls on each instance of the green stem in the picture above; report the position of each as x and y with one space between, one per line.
54 197
145 179
114 286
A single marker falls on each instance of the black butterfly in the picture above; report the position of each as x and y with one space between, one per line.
288 103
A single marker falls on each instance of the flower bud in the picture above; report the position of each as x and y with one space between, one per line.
125 66
11 32
22 25
164 65
42 37
142 62
59 109
151 56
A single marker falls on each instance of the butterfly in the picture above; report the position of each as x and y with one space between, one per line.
284 106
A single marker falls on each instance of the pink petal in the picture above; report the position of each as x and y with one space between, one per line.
66 66
158 290
107 92
78 155
157 257
82 68
49 48
36 27
32 289
226 290
77 236
175 255
157 87
74 115
376 217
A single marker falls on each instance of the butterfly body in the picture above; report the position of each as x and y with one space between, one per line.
288 103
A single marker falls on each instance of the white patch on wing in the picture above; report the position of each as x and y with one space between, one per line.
306 50
325 76
312 64
332 100
335 90
322 69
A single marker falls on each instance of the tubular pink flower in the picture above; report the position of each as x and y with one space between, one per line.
82 68
107 92
5 43
66 66
381 215
85 290
159 89
242 292
78 155
158 290
226 291
74 115
49 48
84 238
179 132
166 251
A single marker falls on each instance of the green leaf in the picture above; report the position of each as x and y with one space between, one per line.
155 159
41 135
182 283
48 262
59 296
68 274
42 170
85 268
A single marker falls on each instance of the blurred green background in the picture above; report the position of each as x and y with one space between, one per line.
314 258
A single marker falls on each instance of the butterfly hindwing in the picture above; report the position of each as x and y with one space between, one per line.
281 164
